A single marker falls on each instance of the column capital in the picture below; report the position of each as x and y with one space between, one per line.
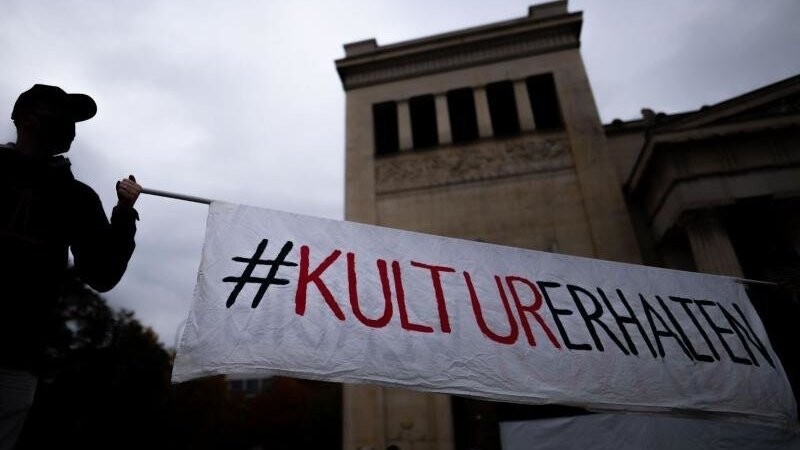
711 246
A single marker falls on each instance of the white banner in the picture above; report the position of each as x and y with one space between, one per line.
638 431
313 298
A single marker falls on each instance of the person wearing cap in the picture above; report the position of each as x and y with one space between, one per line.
44 213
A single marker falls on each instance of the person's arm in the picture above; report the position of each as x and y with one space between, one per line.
102 249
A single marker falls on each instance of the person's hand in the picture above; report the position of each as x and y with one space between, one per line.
127 192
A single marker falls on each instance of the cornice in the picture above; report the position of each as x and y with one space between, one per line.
715 167
786 88
661 141
482 45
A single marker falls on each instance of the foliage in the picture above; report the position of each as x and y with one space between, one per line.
105 380
106 385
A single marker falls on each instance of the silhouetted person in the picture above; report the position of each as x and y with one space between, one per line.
44 211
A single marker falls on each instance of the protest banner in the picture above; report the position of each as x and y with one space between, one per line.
641 431
280 293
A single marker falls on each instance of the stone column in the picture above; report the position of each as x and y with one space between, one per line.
711 246
364 417
418 420
482 111
443 120
441 419
524 111
404 125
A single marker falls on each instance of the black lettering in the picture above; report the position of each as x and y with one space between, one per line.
701 304
630 319
748 333
252 263
650 312
677 325
685 304
543 285
594 317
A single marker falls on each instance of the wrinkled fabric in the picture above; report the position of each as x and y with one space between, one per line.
636 432
280 293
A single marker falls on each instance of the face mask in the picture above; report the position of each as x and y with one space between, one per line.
57 132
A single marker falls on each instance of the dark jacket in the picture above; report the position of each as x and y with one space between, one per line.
44 211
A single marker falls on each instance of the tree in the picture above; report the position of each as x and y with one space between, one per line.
107 385
105 382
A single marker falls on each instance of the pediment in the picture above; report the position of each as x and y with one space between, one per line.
777 100
771 107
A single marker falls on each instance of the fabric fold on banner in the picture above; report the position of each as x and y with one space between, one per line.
286 294
635 432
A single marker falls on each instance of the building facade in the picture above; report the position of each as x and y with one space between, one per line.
492 134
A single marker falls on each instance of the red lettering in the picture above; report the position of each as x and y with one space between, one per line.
401 303
444 320
476 308
387 295
314 277
533 309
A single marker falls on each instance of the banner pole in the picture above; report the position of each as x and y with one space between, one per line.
187 198
205 201
749 281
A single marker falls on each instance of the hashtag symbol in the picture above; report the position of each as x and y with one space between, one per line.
252 263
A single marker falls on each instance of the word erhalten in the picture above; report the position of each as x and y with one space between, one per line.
606 312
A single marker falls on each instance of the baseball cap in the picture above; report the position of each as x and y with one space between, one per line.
79 107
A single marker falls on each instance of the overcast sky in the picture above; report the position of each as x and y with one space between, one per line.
240 100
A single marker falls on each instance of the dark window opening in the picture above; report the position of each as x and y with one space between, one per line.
463 120
384 118
251 386
503 108
544 102
423 121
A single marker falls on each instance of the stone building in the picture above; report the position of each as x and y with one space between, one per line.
492 133
716 190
